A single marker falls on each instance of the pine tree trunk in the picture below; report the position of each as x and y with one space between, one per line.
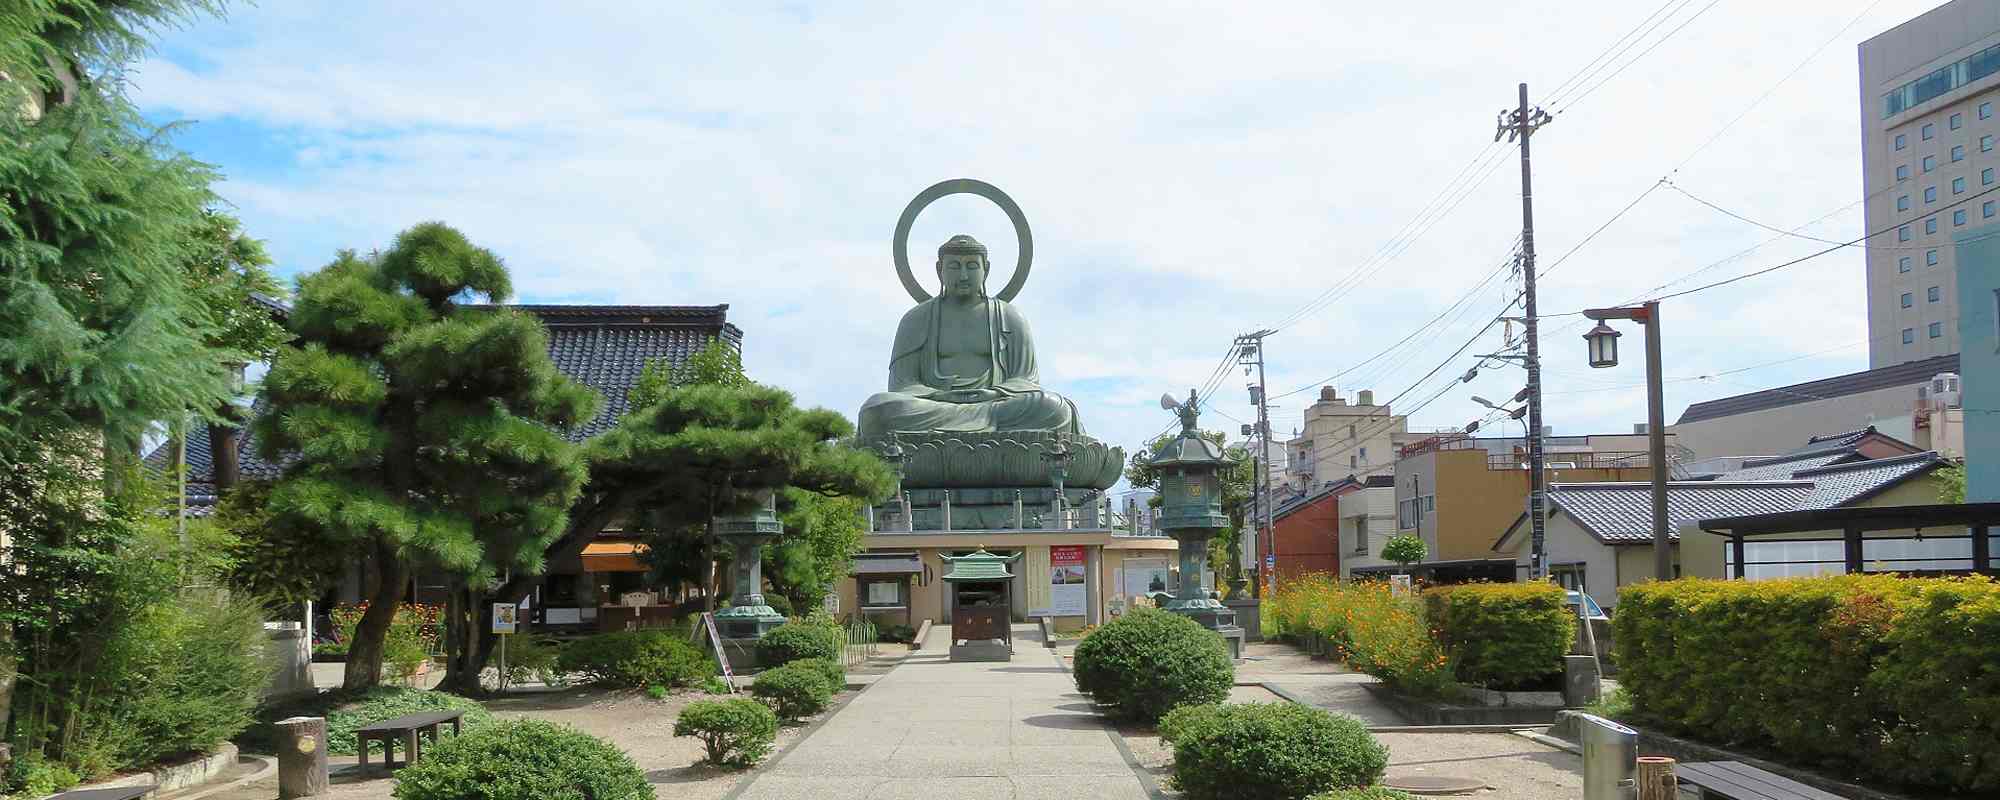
470 629
364 653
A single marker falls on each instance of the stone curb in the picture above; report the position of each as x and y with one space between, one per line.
269 767
1145 776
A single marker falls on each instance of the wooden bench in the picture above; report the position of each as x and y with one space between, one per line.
110 793
405 728
1739 781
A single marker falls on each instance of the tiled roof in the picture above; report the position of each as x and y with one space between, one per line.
1906 374
1623 512
1842 484
1843 439
1779 468
603 347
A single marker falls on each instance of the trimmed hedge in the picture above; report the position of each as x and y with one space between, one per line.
1146 662
1370 793
796 690
1501 635
735 733
1877 677
836 675
796 640
1279 751
523 760
638 659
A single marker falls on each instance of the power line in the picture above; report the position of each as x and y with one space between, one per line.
1590 67
1572 103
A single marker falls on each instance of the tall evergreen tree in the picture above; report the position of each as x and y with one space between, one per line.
421 432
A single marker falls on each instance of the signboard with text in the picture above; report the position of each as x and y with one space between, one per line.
1067 587
506 617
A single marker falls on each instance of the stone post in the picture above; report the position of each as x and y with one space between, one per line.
302 768
747 616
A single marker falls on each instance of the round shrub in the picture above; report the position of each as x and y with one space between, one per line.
637 659
779 603
796 640
735 732
523 760
388 702
1281 751
836 675
1502 635
797 690
1370 793
1143 664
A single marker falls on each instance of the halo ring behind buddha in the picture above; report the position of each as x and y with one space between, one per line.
1022 237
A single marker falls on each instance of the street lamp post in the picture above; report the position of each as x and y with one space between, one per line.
1603 342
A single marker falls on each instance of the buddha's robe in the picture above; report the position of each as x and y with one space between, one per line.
948 357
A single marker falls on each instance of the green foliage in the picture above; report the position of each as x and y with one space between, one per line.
1876 677
1366 624
524 760
1615 704
896 634
1370 793
796 690
1146 662
423 431
658 692
353 711
1239 481
34 776
1279 751
798 640
822 534
1501 635
735 733
1404 549
538 658
224 269
637 659
1951 483
717 363
282 566
834 672
779 603
715 685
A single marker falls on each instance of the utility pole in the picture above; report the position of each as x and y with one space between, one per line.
1250 350
1521 123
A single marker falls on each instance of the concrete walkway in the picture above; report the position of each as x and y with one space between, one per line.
933 729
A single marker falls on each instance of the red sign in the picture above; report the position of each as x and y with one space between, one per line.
1066 555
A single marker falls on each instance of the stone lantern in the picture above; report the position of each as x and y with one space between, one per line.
748 617
1190 469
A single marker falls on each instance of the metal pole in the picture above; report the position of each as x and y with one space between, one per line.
1656 435
1263 505
1523 124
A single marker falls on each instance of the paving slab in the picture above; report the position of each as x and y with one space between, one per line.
931 728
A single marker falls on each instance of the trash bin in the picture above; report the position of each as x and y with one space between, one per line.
1610 752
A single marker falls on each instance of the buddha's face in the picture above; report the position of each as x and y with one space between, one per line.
962 275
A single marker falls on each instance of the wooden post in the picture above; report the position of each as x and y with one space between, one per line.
302 757
1656 778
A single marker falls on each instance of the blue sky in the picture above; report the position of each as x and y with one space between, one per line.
1190 173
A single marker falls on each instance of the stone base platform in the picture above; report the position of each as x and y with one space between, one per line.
989 650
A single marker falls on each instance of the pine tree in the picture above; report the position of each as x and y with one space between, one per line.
421 432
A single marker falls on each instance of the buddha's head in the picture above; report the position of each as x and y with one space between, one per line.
962 268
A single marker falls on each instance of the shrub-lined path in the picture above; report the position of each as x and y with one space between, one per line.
935 729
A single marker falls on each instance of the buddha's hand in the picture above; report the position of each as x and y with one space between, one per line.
969 395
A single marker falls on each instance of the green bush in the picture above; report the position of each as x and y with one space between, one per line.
1370 793
796 690
895 634
1368 625
538 658
737 732
779 603
836 675
523 760
388 702
1146 662
715 685
35 777
795 640
637 659
1877 677
1501 635
1279 751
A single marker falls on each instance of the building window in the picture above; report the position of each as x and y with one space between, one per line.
1985 110
1986 143
1795 558
1957 121
1909 336
1903 264
1930 194
1930 258
1937 330
1902 172
1958 217
1350 431
1930 163
1903 233
1902 141
880 593
1909 299
1986 209
1360 534
1569 576
1930 225
1930 131
1986 176
1903 203
1957 153
1932 294
1958 185
1351 462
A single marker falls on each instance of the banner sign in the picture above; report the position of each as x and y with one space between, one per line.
1067 587
506 618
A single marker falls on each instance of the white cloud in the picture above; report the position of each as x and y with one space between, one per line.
1190 173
